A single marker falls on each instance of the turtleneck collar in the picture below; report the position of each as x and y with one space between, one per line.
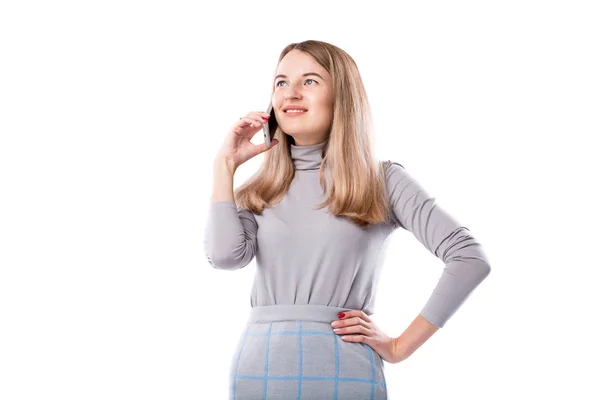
307 157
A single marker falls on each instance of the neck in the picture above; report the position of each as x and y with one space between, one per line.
307 157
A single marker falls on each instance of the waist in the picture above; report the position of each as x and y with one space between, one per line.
285 312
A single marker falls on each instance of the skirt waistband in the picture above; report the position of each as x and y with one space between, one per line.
284 312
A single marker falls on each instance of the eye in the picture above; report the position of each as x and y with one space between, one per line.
309 79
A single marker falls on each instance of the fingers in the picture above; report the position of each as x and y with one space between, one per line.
356 313
352 329
356 338
355 325
364 316
255 118
356 321
261 114
251 121
350 322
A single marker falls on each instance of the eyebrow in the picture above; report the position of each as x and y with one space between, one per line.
306 74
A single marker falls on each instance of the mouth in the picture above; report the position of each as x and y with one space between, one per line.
290 113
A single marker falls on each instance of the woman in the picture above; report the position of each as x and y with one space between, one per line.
317 216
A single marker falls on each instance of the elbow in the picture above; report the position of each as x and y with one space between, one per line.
228 260
484 270
227 256
227 263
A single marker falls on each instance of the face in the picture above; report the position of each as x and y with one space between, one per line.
314 93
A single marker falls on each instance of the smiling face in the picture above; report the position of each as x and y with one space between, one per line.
303 82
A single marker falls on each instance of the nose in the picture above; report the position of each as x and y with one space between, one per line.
291 93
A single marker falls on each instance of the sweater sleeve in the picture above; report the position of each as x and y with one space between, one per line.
230 236
466 264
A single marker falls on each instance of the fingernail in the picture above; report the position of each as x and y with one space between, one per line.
341 315
265 118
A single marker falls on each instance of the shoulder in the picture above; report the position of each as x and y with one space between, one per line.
393 169
392 165
397 178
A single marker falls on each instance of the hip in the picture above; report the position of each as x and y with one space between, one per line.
291 352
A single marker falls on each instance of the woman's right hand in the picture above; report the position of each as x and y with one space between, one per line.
237 148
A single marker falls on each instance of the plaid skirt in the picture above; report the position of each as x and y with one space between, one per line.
289 352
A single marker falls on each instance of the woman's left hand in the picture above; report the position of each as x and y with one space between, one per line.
356 326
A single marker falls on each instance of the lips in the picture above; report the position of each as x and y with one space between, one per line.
294 114
293 107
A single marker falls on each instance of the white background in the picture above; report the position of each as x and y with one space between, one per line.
111 114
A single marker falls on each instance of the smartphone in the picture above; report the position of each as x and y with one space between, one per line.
270 126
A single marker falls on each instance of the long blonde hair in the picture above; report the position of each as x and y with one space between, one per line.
349 165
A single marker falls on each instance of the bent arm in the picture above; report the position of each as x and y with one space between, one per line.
230 236
466 264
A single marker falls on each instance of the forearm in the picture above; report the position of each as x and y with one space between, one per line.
222 181
417 333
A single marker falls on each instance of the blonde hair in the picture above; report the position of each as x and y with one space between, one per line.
355 179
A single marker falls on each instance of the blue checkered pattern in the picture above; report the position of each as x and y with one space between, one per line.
304 360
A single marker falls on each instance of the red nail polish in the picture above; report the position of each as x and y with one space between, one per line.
341 315
265 118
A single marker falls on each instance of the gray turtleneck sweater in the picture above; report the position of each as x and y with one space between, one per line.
306 256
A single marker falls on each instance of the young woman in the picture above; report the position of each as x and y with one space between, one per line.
317 216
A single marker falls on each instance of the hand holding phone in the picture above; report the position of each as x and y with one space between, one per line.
237 147
270 127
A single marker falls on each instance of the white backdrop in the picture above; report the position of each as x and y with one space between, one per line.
111 115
